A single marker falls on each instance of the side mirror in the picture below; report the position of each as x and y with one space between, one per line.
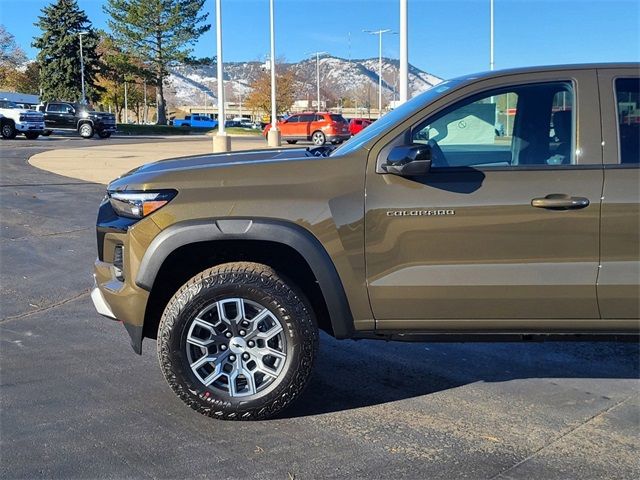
409 160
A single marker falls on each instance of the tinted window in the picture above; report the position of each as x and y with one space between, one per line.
56 108
307 118
524 125
293 119
628 108
337 118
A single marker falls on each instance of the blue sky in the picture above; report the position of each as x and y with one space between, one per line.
446 37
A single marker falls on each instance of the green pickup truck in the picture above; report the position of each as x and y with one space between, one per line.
429 225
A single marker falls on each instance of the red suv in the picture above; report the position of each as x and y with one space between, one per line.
318 127
357 124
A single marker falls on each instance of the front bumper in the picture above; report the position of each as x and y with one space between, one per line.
106 127
30 127
100 304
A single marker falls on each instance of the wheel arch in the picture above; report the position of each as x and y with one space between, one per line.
294 245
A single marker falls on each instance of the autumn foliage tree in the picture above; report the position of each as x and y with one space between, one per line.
259 100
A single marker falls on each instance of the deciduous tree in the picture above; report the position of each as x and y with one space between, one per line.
259 100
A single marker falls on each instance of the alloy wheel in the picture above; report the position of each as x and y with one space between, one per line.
236 346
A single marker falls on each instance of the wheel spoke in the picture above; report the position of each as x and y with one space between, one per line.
269 334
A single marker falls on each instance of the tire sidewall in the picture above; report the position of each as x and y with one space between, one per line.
8 131
88 128
188 303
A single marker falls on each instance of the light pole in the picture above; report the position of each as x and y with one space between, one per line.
404 53
379 33
84 96
221 141
491 41
317 54
273 136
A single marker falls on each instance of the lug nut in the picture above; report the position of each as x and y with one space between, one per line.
228 335
232 358
242 333
251 343
223 347
245 356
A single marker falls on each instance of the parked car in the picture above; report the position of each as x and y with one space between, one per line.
317 127
195 121
356 125
77 117
15 120
423 227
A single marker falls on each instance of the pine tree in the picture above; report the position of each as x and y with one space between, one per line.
160 32
59 55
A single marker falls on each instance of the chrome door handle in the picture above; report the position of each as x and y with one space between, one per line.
560 201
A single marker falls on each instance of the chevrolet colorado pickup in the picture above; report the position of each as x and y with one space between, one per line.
426 226
78 118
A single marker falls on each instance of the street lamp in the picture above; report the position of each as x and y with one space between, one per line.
317 54
84 96
491 34
379 33
273 136
221 141
404 53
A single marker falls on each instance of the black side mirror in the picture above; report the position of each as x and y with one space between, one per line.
409 160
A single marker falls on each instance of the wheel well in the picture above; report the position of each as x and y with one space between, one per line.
189 260
82 122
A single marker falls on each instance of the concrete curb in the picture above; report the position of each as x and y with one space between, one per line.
103 163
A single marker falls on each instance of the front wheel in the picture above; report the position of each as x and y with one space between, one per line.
8 131
237 342
31 135
102 134
86 130
46 133
318 138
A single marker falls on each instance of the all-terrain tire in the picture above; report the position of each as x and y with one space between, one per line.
261 285
31 135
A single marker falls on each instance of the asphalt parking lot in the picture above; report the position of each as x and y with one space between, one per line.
76 402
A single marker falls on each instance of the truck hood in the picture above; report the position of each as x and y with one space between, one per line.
209 161
14 113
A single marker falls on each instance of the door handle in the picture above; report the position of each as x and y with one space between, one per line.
560 201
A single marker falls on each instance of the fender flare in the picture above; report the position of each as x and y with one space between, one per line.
287 233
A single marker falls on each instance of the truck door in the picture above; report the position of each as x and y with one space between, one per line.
503 232
619 277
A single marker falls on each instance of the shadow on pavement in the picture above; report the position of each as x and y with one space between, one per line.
351 374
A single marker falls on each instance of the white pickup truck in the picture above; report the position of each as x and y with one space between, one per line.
15 120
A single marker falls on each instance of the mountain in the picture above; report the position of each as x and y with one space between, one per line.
339 78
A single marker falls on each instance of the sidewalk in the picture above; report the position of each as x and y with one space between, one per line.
101 164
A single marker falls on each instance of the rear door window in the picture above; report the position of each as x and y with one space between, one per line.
628 110
307 118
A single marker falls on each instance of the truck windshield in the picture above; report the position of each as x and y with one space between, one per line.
394 116
8 104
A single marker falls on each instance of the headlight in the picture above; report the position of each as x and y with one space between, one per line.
139 204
